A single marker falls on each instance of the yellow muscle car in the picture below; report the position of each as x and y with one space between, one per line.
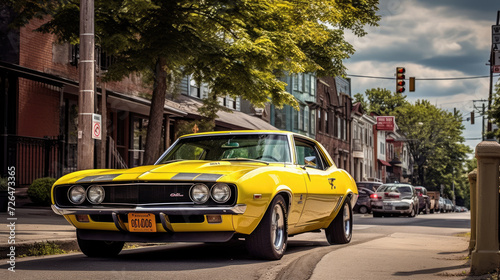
262 186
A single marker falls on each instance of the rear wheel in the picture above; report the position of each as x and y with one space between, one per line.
269 239
98 248
340 229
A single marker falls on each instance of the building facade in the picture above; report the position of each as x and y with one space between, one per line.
363 144
334 120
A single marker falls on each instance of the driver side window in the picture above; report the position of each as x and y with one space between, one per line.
308 155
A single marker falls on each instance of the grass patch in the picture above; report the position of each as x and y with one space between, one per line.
43 249
463 234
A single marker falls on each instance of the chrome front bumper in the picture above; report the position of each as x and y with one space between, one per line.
167 210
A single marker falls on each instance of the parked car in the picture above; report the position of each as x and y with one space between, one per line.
363 205
448 205
212 187
371 185
395 198
424 203
442 205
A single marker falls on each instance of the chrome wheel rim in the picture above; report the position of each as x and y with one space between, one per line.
278 227
347 220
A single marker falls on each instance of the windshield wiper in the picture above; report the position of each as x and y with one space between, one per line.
245 159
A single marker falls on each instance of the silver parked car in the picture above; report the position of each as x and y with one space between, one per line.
395 199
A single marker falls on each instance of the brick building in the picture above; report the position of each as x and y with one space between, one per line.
334 122
39 100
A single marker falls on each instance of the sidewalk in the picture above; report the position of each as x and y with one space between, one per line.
426 257
33 224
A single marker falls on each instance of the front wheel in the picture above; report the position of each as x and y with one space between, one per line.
98 248
413 212
268 241
340 229
363 209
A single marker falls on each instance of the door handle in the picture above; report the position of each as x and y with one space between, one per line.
331 180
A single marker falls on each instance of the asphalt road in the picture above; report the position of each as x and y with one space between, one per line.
231 261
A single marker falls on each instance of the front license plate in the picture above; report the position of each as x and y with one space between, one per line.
388 207
141 222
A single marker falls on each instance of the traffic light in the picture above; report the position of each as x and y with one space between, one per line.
400 79
472 117
412 84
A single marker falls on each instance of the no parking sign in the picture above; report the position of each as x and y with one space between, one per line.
96 126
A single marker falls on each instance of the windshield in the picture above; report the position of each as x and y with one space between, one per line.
263 147
394 188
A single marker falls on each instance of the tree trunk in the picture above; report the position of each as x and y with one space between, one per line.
153 137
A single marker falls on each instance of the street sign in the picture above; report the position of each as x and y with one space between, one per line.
495 34
96 126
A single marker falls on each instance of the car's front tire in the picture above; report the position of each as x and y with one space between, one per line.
340 229
268 241
363 209
413 212
98 248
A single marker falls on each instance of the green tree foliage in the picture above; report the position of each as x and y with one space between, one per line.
434 138
237 47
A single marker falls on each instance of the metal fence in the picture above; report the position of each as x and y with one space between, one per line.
38 157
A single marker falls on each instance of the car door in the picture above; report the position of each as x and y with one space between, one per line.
322 195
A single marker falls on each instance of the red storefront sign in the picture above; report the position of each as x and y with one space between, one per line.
386 123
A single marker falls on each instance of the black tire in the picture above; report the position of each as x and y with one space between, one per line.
363 209
340 229
98 248
268 241
413 212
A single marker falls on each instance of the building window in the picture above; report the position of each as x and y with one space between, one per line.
306 119
295 81
319 121
327 123
300 81
195 89
307 83
301 118
312 118
313 85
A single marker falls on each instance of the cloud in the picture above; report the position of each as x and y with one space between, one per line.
431 39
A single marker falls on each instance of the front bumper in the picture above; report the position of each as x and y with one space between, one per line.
162 212
167 210
394 207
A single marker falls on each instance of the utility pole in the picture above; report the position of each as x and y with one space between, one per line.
86 86
493 66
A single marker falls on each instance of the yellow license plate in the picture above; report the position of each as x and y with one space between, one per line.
141 222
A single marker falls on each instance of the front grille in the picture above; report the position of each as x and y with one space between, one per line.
142 193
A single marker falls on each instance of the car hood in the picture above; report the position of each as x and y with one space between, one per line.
191 170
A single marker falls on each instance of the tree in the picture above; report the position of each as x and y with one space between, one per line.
237 47
381 101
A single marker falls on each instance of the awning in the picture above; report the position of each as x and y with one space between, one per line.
384 162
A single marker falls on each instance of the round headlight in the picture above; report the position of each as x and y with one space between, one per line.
76 194
199 193
95 194
221 193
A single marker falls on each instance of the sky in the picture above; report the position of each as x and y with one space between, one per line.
431 39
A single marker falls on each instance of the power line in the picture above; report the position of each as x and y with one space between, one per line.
423 79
